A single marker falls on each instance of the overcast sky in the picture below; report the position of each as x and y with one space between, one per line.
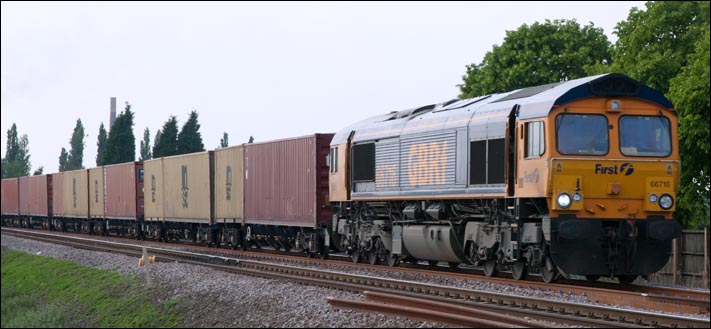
271 70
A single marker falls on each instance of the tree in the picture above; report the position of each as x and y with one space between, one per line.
653 45
16 162
166 143
251 140
101 146
146 146
666 47
690 93
535 55
189 139
224 141
63 160
39 171
122 143
75 158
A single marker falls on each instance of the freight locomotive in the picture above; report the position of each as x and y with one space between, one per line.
575 177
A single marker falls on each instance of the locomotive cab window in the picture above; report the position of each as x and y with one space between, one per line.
645 136
582 134
333 160
364 162
535 140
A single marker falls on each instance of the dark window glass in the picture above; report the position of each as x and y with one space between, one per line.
645 136
535 140
335 159
140 175
477 162
496 161
582 134
364 162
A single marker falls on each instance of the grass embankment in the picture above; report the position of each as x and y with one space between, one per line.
45 292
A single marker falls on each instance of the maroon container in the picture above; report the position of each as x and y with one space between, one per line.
10 196
24 187
57 202
286 182
124 191
39 197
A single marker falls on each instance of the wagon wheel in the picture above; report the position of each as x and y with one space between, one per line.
355 255
392 260
551 275
592 278
626 279
433 263
519 270
490 267
323 249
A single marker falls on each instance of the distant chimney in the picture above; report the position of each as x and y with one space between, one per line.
112 117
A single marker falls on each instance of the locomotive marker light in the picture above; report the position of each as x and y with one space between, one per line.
564 200
577 197
653 198
666 201
614 105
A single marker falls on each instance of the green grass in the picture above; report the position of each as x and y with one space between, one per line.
44 292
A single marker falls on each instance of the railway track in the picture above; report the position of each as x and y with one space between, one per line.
516 306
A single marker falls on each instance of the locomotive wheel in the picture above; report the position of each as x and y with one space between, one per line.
626 279
490 267
592 278
519 270
373 256
355 256
549 276
392 260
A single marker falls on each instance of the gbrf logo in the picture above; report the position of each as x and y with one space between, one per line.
625 168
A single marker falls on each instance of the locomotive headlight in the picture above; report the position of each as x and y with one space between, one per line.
653 198
666 201
615 105
564 200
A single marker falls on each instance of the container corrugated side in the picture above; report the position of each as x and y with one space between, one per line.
75 193
24 187
286 181
188 187
229 184
10 196
96 192
39 196
153 189
124 196
57 192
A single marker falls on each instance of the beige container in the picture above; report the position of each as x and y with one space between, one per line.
229 185
96 192
75 196
187 187
153 189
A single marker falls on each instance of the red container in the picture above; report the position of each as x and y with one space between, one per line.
124 191
24 186
39 197
286 182
10 196
57 205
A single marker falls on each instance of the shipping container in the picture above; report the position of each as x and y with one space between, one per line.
10 196
286 182
229 184
187 187
153 174
39 197
75 193
57 192
24 187
96 192
124 191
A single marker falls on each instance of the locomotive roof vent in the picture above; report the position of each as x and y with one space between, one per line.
614 85
528 92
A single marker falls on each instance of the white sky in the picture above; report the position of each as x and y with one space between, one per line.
271 70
